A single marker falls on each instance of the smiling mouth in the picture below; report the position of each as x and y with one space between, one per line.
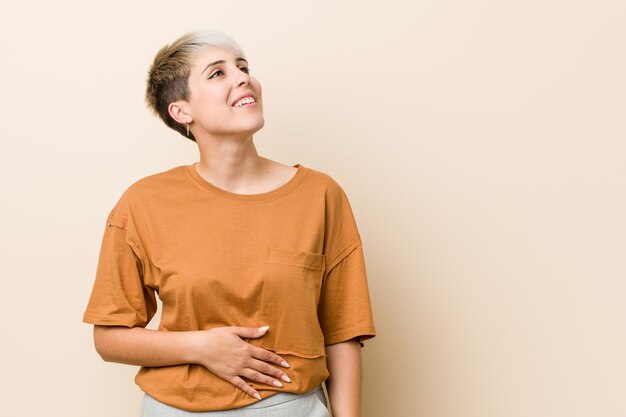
245 101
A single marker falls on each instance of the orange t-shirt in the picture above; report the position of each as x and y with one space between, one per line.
290 258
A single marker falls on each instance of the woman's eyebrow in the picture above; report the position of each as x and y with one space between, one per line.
221 61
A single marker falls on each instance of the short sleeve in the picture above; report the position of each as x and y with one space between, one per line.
345 310
119 296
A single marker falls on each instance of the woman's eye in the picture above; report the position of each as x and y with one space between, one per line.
212 75
244 69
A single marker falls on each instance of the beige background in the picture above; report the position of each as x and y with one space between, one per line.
481 145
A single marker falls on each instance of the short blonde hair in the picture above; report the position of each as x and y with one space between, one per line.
169 73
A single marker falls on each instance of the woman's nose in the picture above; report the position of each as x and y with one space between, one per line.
242 79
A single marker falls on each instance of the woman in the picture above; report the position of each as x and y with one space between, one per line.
259 265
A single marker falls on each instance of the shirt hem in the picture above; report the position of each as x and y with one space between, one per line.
362 334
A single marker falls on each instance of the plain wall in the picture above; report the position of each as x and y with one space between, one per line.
481 145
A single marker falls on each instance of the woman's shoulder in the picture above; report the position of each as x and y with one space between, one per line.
158 180
150 185
313 175
324 179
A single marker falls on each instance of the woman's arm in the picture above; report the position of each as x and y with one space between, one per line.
221 350
143 347
344 382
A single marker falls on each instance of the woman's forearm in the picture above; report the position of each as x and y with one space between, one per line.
221 350
345 378
143 347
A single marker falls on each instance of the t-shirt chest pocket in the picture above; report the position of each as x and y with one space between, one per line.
292 282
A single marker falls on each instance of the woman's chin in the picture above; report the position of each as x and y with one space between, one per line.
247 127
256 126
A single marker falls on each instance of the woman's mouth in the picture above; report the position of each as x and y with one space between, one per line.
245 102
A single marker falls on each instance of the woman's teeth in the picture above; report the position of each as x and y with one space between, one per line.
245 100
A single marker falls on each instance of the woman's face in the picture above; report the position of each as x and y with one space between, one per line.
217 80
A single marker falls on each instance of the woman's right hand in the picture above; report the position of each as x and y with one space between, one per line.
223 352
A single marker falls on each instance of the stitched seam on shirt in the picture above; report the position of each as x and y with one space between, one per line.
357 332
350 331
135 246
343 254
297 185
97 317
295 264
134 242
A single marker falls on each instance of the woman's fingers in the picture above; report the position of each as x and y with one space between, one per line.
243 385
222 351
267 356
247 332
267 369
256 376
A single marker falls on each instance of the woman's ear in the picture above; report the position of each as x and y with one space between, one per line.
179 111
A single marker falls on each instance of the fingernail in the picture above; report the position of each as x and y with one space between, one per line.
263 328
285 378
277 384
285 364
257 396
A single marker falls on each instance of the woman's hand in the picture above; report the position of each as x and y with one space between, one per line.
222 351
